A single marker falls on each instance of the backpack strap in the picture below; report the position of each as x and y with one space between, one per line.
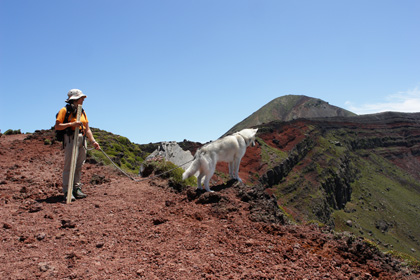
68 112
68 131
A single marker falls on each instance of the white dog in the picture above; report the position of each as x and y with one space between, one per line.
229 149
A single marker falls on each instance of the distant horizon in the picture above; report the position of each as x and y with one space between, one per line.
192 140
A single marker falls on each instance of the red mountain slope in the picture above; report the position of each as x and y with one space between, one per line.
145 230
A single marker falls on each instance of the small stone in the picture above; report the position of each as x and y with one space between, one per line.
7 226
35 208
43 266
158 221
209 198
47 216
349 223
41 236
198 216
67 224
249 243
72 255
169 203
22 238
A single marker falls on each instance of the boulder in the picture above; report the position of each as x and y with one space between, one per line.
172 152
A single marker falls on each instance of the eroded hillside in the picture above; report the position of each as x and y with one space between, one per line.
358 174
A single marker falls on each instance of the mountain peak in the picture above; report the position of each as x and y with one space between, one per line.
290 107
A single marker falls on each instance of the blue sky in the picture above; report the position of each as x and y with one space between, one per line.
167 70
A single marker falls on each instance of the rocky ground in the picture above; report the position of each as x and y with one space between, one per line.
145 230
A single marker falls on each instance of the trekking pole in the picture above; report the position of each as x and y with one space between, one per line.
74 154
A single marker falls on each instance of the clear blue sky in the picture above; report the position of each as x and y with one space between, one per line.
167 70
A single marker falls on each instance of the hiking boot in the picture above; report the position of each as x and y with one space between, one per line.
72 197
78 193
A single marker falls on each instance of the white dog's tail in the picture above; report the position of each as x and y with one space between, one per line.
194 167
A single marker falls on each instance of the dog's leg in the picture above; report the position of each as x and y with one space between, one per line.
206 183
208 177
237 162
200 176
233 174
231 170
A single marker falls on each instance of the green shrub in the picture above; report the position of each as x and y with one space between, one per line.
11 132
129 166
123 140
168 170
126 155
99 157
407 260
117 147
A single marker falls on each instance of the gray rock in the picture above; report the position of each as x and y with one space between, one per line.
172 152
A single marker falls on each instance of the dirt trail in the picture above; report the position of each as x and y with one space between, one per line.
145 230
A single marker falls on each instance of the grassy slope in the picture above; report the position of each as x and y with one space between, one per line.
383 208
127 155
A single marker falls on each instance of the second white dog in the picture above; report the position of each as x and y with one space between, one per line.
229 149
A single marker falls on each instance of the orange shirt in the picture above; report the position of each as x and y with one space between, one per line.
72 118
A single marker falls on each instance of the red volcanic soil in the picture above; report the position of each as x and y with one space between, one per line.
145 230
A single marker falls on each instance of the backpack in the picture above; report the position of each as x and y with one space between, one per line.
59 134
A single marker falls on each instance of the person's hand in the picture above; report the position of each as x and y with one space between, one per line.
96 145
76 124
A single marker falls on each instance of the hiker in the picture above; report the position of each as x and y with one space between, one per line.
75 98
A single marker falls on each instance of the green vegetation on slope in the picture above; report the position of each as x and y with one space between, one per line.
127 155
306 187
168 170
12 132
335 184
270 155
384 206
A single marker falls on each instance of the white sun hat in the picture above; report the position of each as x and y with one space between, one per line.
75 94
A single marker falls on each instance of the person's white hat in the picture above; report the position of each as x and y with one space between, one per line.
74 94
